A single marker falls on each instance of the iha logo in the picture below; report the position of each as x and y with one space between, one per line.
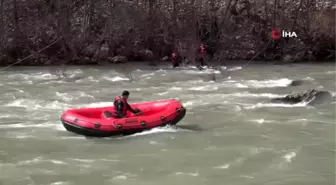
277 34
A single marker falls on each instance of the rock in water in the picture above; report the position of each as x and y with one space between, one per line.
296 83
321 97
313 96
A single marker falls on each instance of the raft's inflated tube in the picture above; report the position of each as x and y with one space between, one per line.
99 121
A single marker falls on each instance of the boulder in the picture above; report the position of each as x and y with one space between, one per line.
166 58
103 52
90 50
117 59
146 55
296 83
313 97
122 51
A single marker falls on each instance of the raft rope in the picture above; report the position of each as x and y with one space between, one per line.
269 41
1 69
247 63
165 117
131 78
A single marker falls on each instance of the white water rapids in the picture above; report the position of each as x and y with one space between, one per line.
231 134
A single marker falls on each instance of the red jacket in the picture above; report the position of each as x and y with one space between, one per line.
203 50
120 109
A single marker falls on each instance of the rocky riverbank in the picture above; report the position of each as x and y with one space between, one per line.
105 31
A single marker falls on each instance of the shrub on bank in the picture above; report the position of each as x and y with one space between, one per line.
119 31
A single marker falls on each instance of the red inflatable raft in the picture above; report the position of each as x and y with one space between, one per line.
98 122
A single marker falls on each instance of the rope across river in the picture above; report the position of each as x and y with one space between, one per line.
46 47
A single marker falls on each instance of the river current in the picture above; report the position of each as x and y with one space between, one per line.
231 134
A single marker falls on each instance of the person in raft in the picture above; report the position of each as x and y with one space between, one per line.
121 106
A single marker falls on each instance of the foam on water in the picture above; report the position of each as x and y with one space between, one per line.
34 76
205 71
333 94
25 125
73 96
289 156
98 104
197 102
235 68
261 105
64 96
204 88
120 177
155 131
40 159
17 90
222 99
262 121
254 95
308 78
115 79
175 89
83 160
330 72
91 79
9 116
193 174
31 104
61 183
147 75
283 82
225 166
161 71
163 93
239 85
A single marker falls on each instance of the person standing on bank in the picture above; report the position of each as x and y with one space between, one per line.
176 59
202 51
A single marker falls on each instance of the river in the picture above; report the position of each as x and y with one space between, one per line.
231 134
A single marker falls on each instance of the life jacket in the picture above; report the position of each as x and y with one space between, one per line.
118 98
203 51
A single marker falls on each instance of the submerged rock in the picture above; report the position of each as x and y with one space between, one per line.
313 97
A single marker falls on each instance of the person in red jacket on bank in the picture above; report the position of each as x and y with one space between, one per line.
121 106
176 59
202 54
